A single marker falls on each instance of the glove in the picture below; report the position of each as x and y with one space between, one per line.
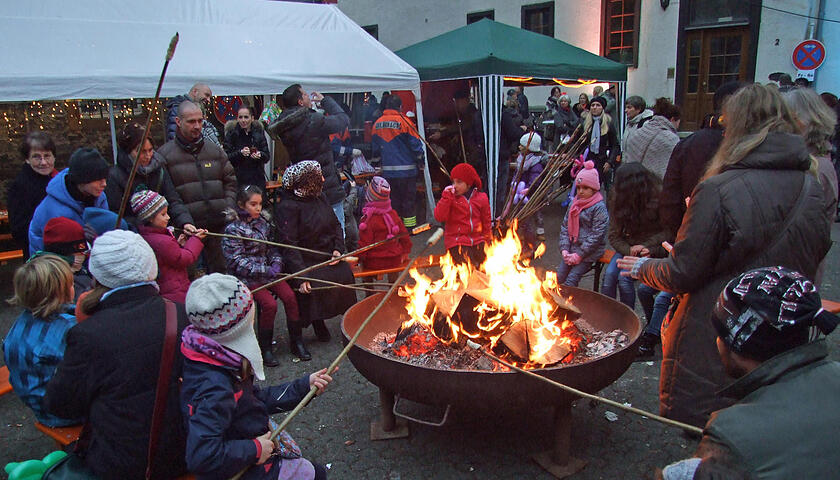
357 152
573 259
275 270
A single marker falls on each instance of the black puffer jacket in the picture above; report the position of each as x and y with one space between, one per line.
157 180
732 220
109 375
249 171
25 193
306 135
204 180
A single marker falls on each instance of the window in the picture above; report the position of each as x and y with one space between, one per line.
621 30
476 16
539 18
373 30
715 12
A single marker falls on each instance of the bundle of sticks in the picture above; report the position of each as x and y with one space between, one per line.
549 185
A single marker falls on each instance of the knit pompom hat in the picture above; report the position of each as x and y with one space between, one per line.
121 257
222 308
531 141
378 189
64 237
588 177
467 174
146 204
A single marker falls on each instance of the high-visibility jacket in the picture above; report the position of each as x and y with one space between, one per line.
397 144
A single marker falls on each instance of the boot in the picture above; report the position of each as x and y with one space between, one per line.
296 344
647 344
264 339
321 331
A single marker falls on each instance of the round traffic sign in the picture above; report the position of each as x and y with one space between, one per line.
808 55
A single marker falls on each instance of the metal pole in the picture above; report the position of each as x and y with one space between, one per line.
113 130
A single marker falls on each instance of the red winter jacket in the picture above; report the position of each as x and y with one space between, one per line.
372 228
467 218
173 260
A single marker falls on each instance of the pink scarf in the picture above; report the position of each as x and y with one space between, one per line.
579 205
381 207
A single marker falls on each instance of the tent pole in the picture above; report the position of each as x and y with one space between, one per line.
269 167
113 130
427 179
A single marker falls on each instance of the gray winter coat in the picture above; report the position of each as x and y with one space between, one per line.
652 145
731 222
592 236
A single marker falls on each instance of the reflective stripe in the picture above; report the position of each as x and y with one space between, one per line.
410 221
398 168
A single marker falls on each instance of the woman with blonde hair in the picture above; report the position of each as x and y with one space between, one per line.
759 204
35 344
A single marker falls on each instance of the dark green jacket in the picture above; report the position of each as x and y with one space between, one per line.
786 421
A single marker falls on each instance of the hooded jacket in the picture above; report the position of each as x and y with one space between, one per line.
467 218
306 135
173 260
398 145
651 145
250 261
634 124
249 171
58 203
157 179
592 236
732 219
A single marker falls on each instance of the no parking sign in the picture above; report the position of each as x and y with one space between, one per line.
807 57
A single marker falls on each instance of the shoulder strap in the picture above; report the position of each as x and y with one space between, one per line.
162 391
792 214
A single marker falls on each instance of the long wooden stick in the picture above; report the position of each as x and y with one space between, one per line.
334 365
267 242
460 131
428 145
170 52
415 230
607 401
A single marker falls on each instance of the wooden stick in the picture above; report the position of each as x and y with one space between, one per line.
415 230
612 403
460 131
267 242
334 365
170 52
428 145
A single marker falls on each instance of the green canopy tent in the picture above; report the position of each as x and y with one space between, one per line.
493 52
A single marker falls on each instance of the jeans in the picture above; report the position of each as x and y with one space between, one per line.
655 305
613 279
338 208
570 275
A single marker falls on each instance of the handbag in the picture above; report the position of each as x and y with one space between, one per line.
73 467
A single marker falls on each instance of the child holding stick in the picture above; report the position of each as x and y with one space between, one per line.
465 211
35 344
174 256
584 232
380 221
257 263
227 416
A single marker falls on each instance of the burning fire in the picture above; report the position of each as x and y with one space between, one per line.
510 296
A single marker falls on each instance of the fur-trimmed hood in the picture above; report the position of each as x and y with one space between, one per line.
231 125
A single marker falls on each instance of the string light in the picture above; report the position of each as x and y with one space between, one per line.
580 82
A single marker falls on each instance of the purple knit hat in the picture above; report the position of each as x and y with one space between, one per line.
378 189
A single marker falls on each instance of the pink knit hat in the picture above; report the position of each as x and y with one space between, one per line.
588 177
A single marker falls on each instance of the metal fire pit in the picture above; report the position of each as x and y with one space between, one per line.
495 390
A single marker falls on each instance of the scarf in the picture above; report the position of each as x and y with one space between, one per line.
579 205
188 146
382 207
595 140
155 163
199 347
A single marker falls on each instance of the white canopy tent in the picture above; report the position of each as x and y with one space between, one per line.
97 49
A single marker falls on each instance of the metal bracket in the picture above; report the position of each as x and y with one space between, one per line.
424 422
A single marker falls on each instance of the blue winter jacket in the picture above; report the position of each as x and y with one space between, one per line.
398 145
225 413
592 235
57 203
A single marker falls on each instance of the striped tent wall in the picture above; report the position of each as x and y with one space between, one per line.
490 101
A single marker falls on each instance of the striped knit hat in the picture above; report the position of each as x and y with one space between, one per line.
146 204
222 308
378 189
120 258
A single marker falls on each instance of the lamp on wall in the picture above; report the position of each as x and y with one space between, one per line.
664 4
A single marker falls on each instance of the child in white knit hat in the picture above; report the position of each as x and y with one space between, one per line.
227 416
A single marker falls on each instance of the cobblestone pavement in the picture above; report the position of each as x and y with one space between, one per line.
335 428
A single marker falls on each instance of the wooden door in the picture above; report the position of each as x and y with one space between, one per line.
713 57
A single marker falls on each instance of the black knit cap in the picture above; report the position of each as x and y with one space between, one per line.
87 165
767 311
601 100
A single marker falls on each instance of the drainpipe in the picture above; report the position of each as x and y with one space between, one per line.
814 29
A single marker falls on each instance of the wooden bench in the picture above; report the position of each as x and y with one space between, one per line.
5 386
831 306
605 259
10 255
63 436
